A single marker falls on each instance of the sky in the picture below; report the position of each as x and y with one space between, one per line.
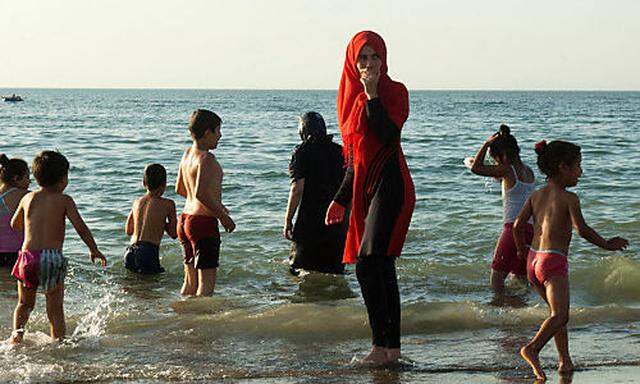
300 44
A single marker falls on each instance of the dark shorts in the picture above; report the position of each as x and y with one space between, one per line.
143 257
8 259
200 239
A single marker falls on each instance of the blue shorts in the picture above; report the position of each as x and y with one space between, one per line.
143 257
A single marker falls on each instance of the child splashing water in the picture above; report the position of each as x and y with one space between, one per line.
517 185
41 265
554 210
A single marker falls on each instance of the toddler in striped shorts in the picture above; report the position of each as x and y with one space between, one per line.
41 265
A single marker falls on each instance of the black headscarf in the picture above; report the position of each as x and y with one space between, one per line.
312 127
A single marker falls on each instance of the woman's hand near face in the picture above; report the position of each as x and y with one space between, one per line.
369 79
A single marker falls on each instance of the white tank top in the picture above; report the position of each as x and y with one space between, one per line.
513 199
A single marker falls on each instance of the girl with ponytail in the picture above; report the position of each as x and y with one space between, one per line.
554 211
518 182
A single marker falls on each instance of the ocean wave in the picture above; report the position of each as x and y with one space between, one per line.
309 322
612 279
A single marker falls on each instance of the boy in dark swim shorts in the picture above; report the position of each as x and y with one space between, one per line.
200 182
150 216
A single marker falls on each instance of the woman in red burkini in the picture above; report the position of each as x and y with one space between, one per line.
371 111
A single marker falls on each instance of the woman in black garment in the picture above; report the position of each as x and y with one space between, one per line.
316 171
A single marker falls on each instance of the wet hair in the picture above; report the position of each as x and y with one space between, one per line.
49 168
12 170
201 121
155 176
505 144
551 155
312 127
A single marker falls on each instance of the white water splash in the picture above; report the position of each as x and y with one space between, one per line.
93 325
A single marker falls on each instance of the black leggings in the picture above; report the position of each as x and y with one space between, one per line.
379 284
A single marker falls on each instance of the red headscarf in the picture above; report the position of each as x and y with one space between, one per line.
351 97
368 153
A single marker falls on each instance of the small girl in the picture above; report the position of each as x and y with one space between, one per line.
14 181
554 211
518 182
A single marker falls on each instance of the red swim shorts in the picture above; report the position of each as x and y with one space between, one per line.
544 265
200 239
505 258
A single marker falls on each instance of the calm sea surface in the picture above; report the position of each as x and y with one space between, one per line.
264 325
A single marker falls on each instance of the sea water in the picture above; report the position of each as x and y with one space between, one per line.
264 325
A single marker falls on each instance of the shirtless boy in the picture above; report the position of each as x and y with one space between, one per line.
150 216
200 182
40 264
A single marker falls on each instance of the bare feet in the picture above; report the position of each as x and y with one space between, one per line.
393 354
16 337
377 356
565 367
531 357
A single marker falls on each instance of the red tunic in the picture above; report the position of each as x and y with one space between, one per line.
382 192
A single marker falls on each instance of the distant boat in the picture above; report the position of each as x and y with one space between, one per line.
12 99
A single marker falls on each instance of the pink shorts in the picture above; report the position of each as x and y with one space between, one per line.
544 265
506 257
43 269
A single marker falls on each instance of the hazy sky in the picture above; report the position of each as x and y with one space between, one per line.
433 44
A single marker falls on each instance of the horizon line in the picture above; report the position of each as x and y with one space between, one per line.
329 89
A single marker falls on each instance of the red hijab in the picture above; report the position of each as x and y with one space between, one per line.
365 148
351 97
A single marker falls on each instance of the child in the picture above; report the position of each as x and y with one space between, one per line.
200 182
518 182
554 210
150 216
40 263
14 181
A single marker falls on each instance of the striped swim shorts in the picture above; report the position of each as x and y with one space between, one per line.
43 269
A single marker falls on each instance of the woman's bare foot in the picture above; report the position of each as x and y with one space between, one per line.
565 367
393 355
377 356
531 357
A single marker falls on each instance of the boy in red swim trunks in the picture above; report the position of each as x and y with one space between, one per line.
555 210
40 264
200 182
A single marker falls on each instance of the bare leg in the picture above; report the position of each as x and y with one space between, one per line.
206 281
561 339
557 296
497 284
565 365
26 302
190 284
55 311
